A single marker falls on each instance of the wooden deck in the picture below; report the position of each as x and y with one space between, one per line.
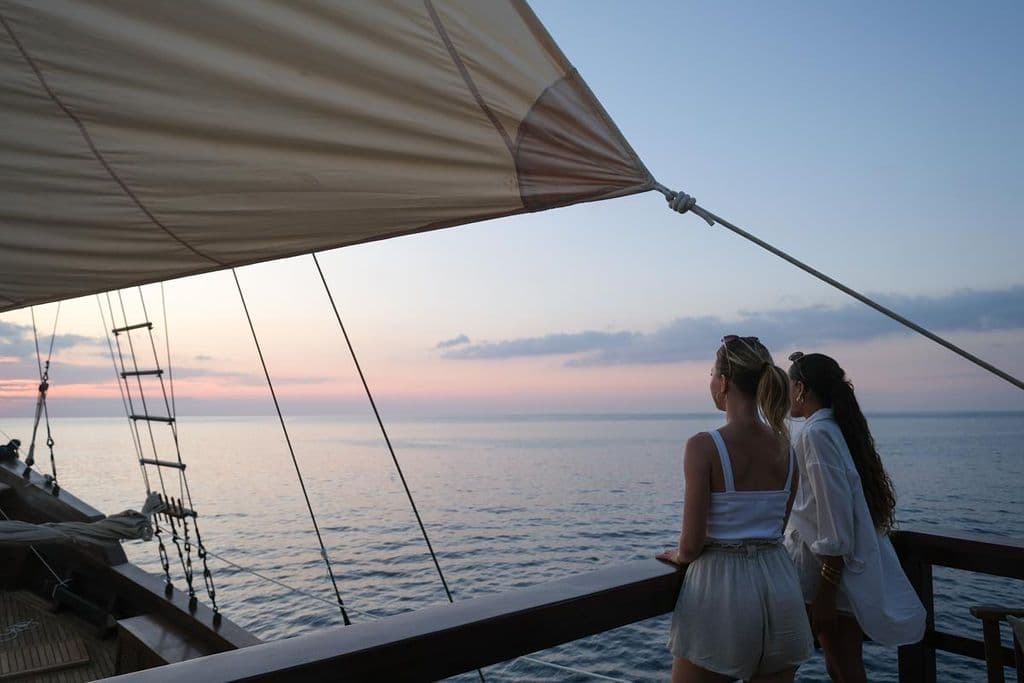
38 645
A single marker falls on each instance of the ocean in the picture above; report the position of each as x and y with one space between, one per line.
509 502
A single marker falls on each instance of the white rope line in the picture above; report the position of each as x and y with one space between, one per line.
333 605
282 584
16 629
682 203
60 581
577 671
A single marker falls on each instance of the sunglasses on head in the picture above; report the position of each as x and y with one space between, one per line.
730 338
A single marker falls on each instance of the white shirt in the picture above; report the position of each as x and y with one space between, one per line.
830 517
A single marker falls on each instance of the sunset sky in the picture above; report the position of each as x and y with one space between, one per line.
880 142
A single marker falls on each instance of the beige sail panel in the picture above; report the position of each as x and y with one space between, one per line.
146 141
509 82
61 214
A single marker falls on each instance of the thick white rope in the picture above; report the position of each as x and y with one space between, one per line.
683 203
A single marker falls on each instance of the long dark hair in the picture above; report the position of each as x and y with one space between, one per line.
823 376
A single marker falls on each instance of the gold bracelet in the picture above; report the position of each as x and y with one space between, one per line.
830 579
831 574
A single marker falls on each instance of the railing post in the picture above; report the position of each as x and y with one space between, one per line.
917 662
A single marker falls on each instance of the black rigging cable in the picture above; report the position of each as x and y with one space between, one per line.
44 385
167 341
384 431
157 531
682 202
183 488
295 462
121 390
387 440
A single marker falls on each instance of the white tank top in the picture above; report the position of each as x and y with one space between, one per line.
739 515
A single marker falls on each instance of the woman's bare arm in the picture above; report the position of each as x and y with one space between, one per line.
697 496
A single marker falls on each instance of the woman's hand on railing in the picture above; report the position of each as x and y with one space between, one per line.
672 557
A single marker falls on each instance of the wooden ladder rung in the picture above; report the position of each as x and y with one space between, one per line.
127 328
152 418
141 373
162 463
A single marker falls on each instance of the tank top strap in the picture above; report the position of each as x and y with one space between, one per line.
792 462
723 455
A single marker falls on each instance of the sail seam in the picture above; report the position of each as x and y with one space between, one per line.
92 146
466 77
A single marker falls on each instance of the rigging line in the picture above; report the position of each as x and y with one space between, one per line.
6 435
167 340
387 440
380 422
142 393
149 426
183 490
53 338
60 581
133 427
53 335
372 615
295 462
120 389
571 669
282 584
687 203
41 409
173 408
35 336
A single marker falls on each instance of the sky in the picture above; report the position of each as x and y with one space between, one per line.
879 142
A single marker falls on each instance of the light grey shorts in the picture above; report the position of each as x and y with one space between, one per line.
741 611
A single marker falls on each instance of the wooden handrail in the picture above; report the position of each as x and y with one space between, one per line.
448 639
445 640
919 551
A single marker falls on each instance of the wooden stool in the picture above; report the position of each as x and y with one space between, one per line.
997 656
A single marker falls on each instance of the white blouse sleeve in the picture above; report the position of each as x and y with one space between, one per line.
833 496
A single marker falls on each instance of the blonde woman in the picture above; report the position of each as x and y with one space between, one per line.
740 612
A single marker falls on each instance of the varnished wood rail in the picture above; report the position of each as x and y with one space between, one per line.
921 551
445 640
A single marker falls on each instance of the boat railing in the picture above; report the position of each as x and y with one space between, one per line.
446 640
919 553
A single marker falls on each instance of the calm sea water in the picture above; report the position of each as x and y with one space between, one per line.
509 502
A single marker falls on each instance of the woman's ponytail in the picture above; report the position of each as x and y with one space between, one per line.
823 376
773 399
878 488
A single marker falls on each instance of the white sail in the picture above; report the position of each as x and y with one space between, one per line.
143 141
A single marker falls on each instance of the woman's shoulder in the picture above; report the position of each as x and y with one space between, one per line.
701 442
700 448
822 440
819 427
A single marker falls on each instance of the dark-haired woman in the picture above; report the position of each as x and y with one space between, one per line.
838 533
740 612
